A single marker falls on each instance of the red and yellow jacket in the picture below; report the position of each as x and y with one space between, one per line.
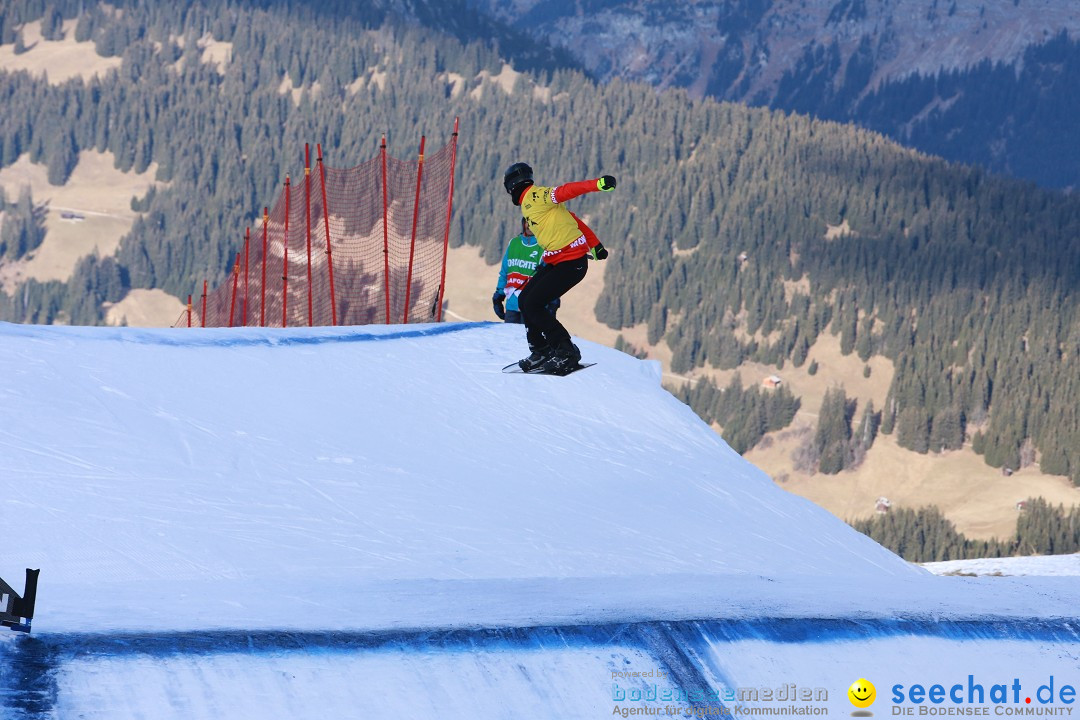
561 234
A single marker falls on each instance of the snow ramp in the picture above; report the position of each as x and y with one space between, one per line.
376 521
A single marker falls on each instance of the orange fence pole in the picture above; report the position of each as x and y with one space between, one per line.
247 260
235 284
285 260
415 220
307 222
265 262
446 235
326 224
386 236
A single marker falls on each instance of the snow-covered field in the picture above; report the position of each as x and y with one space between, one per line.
377 522
1036 565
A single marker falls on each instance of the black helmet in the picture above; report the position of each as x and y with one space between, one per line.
517 174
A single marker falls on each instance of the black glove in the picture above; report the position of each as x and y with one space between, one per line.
605 183
497 303
600 252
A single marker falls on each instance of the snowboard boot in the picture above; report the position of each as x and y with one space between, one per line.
536 359
562 359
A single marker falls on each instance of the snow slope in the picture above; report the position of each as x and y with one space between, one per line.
252 468
1033 565
355 522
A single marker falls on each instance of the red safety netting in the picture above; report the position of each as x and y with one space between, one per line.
380 258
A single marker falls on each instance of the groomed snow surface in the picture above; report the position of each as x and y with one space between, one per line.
377 522
1039 565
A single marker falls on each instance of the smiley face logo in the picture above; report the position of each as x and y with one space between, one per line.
862 693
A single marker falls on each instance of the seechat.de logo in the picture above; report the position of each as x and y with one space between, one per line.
862 695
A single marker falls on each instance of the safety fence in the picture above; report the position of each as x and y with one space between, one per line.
345 246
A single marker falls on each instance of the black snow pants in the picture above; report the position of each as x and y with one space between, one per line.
549 282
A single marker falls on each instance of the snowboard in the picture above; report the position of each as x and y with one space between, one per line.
514 369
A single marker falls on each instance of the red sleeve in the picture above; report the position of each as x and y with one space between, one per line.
590 236
570 191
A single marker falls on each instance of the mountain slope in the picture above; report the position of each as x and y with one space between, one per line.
915 70
742 49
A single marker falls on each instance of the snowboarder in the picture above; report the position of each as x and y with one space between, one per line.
567 243
519 264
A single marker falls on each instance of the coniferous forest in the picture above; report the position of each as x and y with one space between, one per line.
925 535
1019 117
964 280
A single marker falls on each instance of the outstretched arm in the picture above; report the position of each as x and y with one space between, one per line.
568 191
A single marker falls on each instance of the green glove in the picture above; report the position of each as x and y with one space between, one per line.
606 183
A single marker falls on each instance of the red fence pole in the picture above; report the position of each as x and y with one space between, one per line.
307 222
265 262
189 310
326 224
204 303
385 234
247 260
285 260
235 284
415 220
446 235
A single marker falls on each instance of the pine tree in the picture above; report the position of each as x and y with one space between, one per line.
947 430
833 432
7 28
913 429
63 157
52 24
84 26
867 426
